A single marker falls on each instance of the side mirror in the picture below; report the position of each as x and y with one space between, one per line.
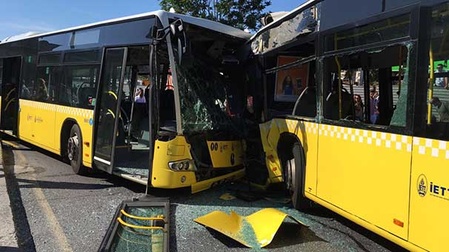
177 32
153 32
177 28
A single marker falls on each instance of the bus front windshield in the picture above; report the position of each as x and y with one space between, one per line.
211 85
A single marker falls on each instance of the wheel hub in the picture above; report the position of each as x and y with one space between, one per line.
72 147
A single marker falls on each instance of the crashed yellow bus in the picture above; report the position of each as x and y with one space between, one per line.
73 92
351 121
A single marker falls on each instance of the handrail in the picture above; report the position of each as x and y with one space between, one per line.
158 217
138 227
431 83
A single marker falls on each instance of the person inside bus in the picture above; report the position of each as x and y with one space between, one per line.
42 91
374 105
443 112
26 93
138 113
441 81
333 104
140 98
358 107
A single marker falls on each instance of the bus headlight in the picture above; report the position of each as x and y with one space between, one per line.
181 165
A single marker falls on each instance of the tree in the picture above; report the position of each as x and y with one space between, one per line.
238 13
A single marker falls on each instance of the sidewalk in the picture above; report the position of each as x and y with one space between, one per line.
8 240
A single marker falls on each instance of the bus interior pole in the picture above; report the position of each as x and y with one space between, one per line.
153 63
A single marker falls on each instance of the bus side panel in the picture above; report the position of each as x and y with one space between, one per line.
36 124
44 125
307 133
429 206
26 120
366 173
84 119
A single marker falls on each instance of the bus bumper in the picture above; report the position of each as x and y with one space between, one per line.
206 184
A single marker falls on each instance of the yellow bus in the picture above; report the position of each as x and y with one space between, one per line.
152 97
350 118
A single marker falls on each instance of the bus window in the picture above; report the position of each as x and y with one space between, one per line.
438 91
338 102
79 86
367 86
47 82
306 102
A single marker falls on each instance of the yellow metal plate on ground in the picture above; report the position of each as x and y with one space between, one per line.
253 231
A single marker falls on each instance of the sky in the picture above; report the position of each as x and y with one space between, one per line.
21 16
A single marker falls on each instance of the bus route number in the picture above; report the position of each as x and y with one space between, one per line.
214 146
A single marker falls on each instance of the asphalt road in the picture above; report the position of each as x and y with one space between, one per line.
55 210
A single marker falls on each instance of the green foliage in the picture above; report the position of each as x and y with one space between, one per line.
238 13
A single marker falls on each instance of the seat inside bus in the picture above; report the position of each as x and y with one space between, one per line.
85 95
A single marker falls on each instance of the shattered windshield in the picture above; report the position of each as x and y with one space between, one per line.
204 97
210 81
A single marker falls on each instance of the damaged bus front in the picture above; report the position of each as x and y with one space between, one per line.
196 104
178 100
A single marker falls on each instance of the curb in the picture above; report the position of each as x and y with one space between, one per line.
8 238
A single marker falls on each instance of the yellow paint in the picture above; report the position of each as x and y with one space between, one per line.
157 217
370 226
26 121
225 153
366 173
119 219
12 144
252 231
428 210
41 124
382 181
271 156
178 149
162 176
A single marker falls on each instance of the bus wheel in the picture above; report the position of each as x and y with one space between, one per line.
295 171
75 150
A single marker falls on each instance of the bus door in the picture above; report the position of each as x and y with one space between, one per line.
109 132
10 85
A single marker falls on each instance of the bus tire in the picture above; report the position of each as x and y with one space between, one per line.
75 150
295 174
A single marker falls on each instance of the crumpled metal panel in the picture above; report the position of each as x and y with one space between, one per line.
253 231
304 22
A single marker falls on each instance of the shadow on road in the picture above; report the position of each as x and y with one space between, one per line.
27 183
10 249
23 232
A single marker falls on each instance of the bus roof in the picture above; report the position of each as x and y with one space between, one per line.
212 25
285 17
